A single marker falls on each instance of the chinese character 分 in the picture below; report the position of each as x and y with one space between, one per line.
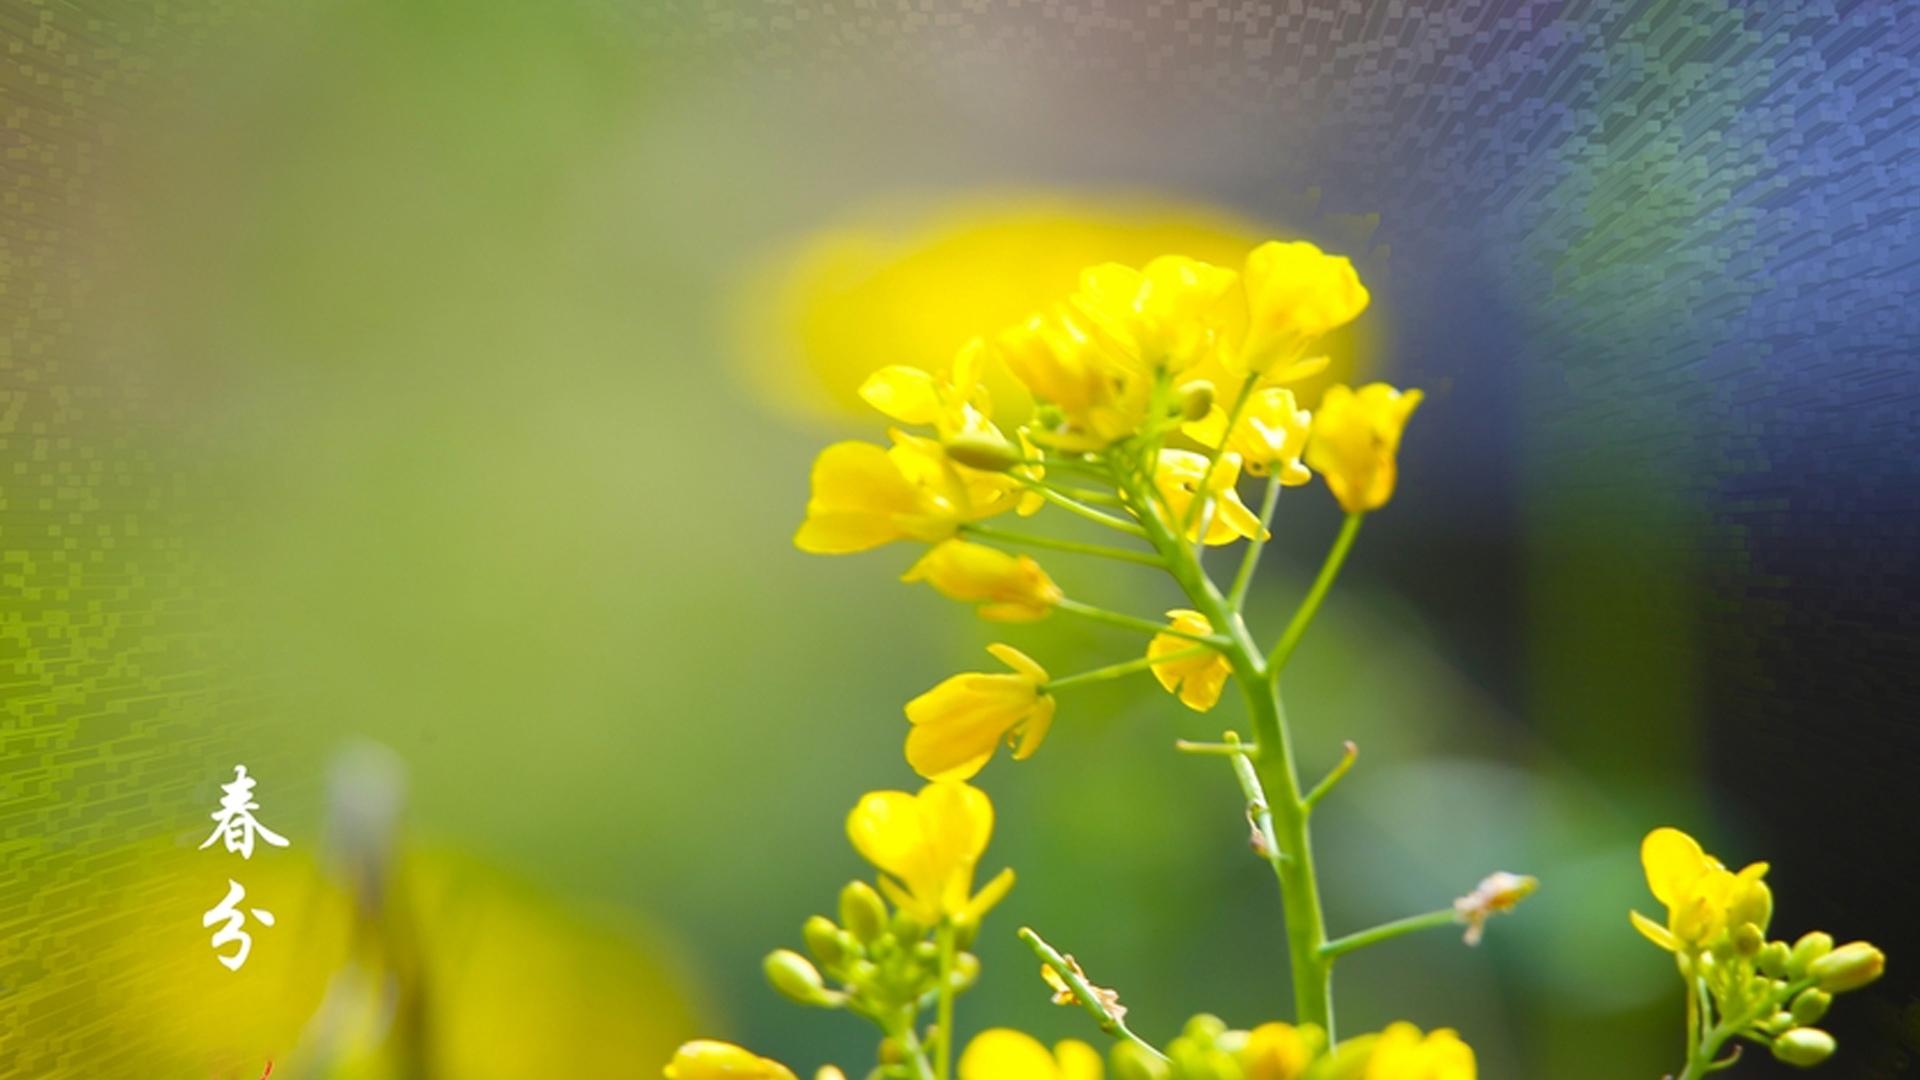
234 821
226 911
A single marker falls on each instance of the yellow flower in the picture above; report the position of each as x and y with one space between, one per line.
1271 432
1006 1054
1402 1053
1197 679
957 724
866 495
1008 588
708 1059
1277 1051
1295 292
1166 315
1356 436
926 846
1181 475
1073 364
1704 899
952 400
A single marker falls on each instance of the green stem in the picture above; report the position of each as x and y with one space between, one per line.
916 1053
1074 506
1073 546
1387 931
1242 581
943 1065
1085 993
1292 863
1309 607
1133 622
1127 667
1259 813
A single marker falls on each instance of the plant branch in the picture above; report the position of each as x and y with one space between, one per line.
1309 607
1084 992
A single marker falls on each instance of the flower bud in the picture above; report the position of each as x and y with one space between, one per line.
1811 1005
1804 1046
862 911
1195 399
1811 946
1204 1028
1773 958
792 975
966 971
979 450
1748 940
828 1072
1779 1023
824 940
1132 1063
1849 967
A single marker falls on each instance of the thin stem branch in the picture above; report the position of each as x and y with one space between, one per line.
1073 546
943 1064
1259 813
1133 622
1074 506
1242 581
1126 667
1387 931
1085 993
1309 607
1334 776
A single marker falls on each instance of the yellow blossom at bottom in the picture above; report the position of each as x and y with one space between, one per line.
709 1059
1197 679
926 845
1401 1052
1006 1054
957 724
1277 1051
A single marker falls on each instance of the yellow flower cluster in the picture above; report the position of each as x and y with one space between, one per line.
1716 927
1153 391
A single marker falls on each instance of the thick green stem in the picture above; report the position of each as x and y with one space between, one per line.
1273 763
943 1064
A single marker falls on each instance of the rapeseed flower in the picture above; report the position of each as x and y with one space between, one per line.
926 846
1704 900
954 401
866 495
1085 381
1008 588
1356 439
1294 293
1401 1052
958 724
1269 436
1006 1054
1277 1051
1196 680
1182 476
1165 316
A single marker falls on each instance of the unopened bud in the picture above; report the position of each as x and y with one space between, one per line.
1196 399
862 911
1748 940
828 1072
1779 1023
792 975
1204 1028
979 450
1849 967
1811 1005
1811 946
1773 958
1804 1046
1752 903
966 971
824 940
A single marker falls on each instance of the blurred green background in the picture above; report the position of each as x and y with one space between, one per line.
446 377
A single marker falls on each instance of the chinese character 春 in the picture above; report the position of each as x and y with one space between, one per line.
225 911
235 821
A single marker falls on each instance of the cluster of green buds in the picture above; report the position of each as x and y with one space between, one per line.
883 966
1740 984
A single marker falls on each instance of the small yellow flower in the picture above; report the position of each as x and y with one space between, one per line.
1006 1054
1355 440
866 495
1183 475
1270 434
1166 315
1197 680
1075 366
1704 899
957 724
926 847
709 1059
1277 1051
1008 588
1402 1053
953 401
1295 292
